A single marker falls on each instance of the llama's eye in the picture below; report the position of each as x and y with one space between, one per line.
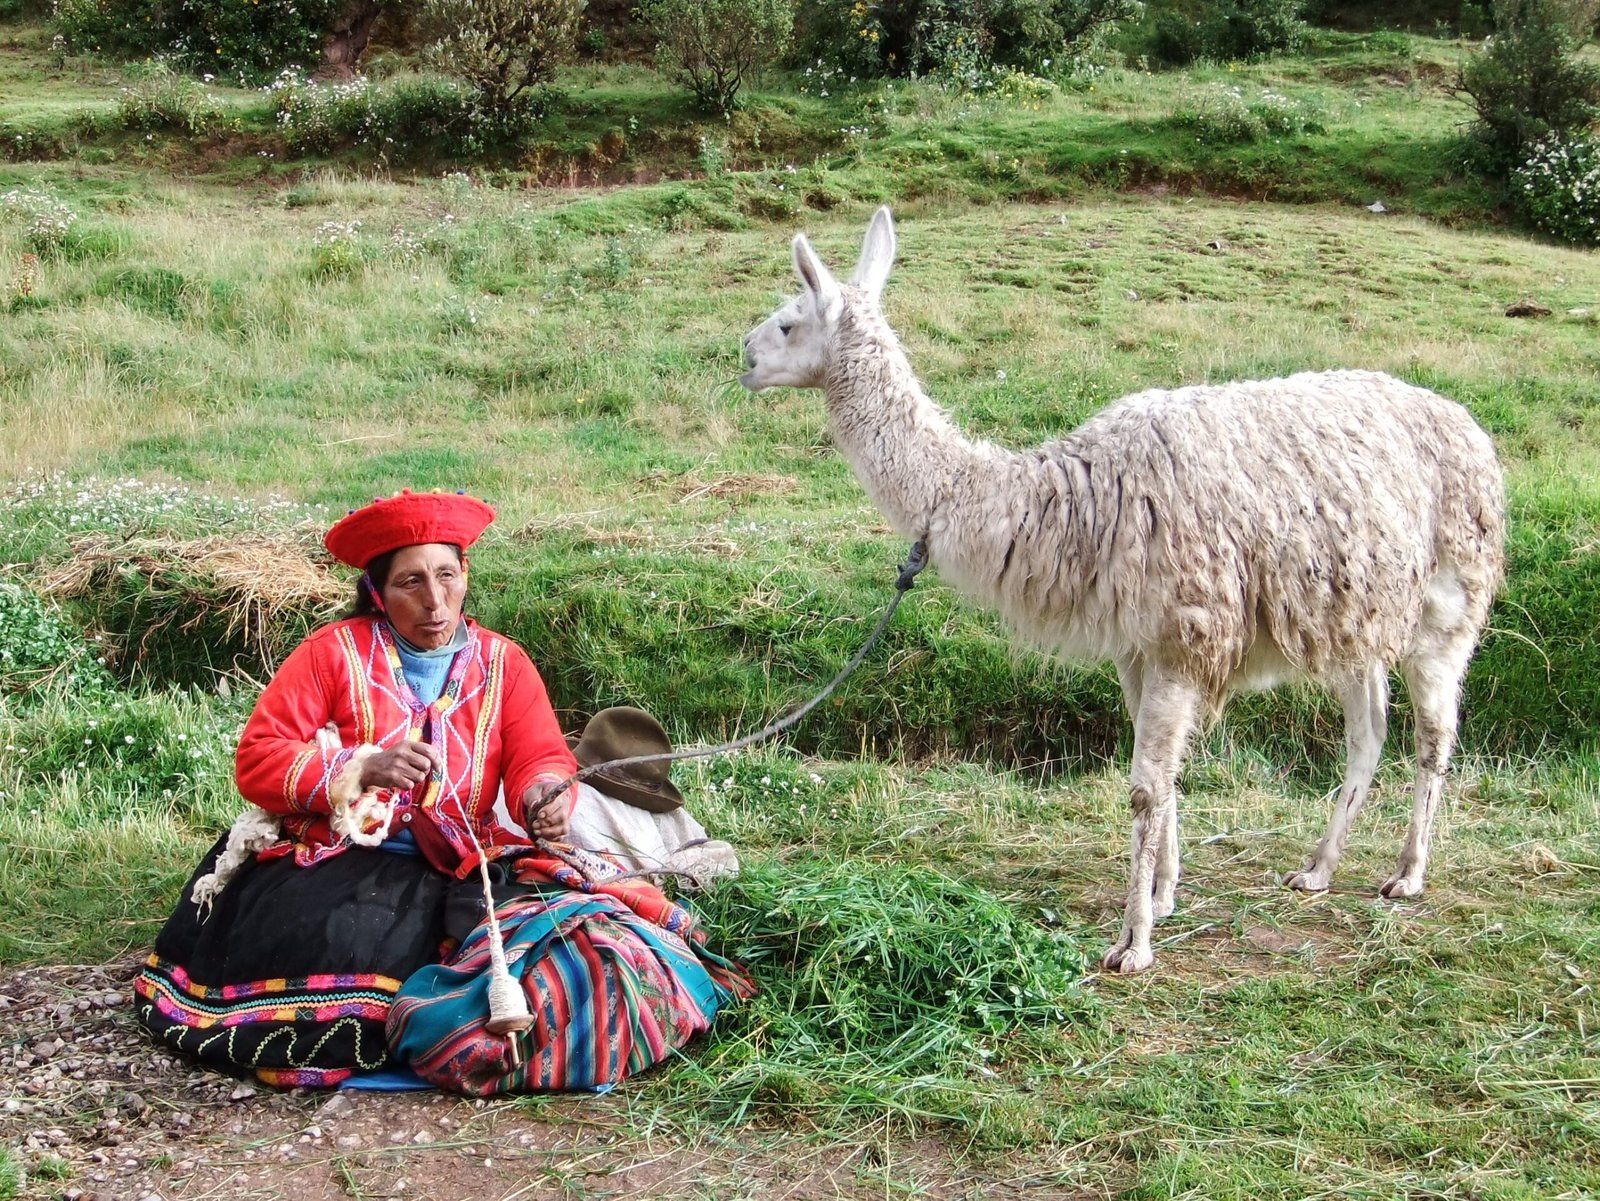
784 329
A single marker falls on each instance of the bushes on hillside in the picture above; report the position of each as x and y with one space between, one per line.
223 37
1529 82
1227 30
957 38
414 114
319 117
714 47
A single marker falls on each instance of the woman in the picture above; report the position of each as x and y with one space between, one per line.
381 747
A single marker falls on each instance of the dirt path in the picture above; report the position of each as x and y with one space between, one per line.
94 1110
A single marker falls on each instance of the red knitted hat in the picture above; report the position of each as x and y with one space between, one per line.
407 519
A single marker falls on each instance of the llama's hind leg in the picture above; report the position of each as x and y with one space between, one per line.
1165 898
1434 674
1366 722
1168 709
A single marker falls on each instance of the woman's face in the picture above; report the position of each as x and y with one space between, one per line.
423 595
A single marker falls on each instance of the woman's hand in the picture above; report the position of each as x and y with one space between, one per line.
400 767
544 809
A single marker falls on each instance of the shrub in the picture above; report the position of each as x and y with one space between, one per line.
1528 81
313 116
1559 187
160 98
1233 30
114 27
1249 29
249 41
959 39
1176 39
1222 115
714 47
427 110
502 48
1038 34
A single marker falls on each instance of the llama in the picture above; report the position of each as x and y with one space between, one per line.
1328 526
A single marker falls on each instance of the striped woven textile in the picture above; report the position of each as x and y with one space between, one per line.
615 976
280 1029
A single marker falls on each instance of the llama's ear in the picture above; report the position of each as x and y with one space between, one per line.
818 279
877 253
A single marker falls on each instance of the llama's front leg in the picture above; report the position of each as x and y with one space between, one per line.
1166 718
1132 952
1130 673
1366 719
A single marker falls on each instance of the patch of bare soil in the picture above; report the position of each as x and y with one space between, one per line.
94 1110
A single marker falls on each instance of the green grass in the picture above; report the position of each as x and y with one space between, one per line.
199 356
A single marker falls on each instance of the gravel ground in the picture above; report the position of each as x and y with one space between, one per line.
93 1110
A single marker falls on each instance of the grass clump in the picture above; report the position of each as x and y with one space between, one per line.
12 1175
104 790
244 600
1222 114
882 984
182 604
158 98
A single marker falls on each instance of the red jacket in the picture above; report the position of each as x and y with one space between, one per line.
493 727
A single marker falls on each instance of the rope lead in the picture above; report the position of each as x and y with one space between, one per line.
916 560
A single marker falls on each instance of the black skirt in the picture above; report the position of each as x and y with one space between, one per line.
292 972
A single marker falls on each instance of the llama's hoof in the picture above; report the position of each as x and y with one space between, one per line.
1398 888
1310 880
1128 960
1163 906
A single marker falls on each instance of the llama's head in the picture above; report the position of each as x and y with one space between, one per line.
791 347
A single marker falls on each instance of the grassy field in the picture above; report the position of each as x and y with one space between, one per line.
936 858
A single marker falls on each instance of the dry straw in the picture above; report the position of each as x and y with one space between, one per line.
254 581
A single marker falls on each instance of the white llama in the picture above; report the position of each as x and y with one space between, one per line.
1205 540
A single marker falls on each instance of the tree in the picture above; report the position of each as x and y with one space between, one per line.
1529 81
502 47
716 46
348 35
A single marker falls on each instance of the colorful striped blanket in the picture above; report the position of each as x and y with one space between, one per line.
616 975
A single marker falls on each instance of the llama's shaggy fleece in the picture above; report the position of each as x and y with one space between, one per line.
1328 526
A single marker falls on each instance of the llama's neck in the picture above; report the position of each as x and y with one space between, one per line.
1008 528
913 461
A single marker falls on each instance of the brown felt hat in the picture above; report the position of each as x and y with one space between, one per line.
621 733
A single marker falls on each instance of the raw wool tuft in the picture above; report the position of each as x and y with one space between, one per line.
253 830
357 815
1329 526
